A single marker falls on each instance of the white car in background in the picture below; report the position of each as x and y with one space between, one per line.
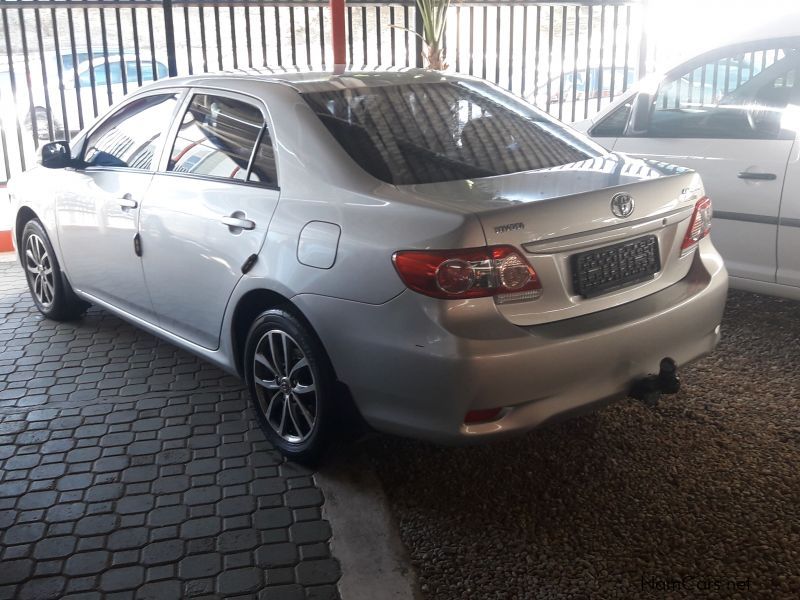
732 114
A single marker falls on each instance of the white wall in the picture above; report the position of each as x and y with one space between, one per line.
679 29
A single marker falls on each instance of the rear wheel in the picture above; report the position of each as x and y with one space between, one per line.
291 384
50 290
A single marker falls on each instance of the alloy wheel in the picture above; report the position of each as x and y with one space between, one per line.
40 270
285 386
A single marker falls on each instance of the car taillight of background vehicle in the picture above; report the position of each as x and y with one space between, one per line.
495 271
699 225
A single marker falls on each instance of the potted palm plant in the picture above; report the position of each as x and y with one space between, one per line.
433 14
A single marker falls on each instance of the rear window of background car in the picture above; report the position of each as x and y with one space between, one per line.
443 131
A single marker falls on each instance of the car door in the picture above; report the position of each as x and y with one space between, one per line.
723 115
98 210
789 223
207 212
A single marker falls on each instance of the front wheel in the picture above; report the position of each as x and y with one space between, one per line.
291 384
49 288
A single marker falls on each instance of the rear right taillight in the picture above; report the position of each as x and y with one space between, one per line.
699 225
495 271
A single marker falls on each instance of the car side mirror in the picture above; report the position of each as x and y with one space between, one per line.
640 114
55 155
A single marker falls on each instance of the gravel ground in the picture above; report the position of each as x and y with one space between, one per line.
699 497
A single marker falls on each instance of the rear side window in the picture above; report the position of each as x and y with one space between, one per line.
129 138
442 131
613 125
217 138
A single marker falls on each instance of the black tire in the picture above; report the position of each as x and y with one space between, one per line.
308 423
49 288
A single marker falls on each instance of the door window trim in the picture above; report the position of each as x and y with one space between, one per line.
172 134
610 115
157 155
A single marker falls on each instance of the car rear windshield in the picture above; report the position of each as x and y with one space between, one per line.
442 131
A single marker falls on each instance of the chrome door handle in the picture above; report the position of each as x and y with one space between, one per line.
758 176
238 223
127 202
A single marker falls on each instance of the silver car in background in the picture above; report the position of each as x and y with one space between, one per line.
423 250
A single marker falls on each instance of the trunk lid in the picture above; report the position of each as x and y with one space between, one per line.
554 214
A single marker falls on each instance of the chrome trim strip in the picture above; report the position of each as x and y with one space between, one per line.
643 226
746 217
789 222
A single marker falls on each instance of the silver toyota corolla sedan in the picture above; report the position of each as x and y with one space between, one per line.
426 251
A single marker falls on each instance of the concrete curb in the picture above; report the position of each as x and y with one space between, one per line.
365 539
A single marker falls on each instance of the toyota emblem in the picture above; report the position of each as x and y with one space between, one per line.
622 205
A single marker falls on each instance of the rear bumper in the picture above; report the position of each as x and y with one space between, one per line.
416 366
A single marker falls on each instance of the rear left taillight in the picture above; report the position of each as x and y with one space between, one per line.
699 225
495 271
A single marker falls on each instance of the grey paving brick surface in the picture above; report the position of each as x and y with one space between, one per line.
131 469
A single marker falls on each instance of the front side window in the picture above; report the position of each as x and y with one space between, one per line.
130 137
739 94
428 132
217 138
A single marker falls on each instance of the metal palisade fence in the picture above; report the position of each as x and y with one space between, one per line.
63 62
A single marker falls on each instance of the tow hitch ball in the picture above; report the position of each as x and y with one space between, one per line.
649 389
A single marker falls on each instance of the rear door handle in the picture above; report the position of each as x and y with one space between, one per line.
757 176
127 202
238 223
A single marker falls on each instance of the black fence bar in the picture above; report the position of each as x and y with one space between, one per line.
485 39
32 109
418 39
60 74
12 90
67 64
563 65
47 105
169 32
575 62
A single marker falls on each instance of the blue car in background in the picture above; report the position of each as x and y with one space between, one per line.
68 98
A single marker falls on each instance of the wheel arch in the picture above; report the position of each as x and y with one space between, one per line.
255 302
249 306
24 215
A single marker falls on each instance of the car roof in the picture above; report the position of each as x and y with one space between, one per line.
320 81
